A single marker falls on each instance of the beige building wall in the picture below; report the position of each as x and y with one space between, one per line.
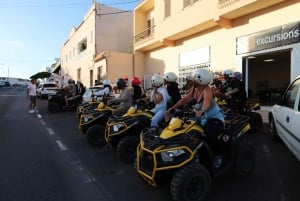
205 23
101 30
115 65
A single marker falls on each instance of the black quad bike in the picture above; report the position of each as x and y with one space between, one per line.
93 123
122 132
57 103
250 108
187 157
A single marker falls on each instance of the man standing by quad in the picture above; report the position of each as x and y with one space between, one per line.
31 94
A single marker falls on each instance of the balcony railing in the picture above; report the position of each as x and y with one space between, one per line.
144 34
226 3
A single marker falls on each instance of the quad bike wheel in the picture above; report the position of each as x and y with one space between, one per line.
190 183
53 107
255 121
245 159
95 135
127 148
273 131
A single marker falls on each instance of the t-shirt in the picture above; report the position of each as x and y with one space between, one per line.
164 102
125 97
173 92
72 89
32 89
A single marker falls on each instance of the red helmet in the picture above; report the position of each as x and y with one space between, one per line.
136 81
126 77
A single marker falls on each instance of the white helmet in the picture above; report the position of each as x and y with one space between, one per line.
203 76
228 72
106 82
189 76
170 77
157 80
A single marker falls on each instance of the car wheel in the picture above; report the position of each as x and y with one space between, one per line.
273 131
127 148
190 183
255 121
53 107
245 159
95 135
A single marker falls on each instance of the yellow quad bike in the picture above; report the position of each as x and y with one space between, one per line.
91 105
188 156
250 108
122 132
92 124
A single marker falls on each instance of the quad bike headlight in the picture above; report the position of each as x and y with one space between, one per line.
118 127
169 156
87 118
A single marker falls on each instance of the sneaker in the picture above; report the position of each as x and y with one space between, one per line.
31 111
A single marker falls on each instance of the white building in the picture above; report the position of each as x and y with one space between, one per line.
103 30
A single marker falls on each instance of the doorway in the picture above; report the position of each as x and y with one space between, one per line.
268 73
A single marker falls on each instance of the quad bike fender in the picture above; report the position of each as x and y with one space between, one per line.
176 127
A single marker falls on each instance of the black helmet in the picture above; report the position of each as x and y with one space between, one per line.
70 81
121 83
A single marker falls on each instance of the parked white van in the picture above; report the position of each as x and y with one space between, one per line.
284 118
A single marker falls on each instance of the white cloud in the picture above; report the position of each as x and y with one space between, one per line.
15 43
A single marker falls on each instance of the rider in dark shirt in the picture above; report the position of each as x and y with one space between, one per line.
232 89
172 87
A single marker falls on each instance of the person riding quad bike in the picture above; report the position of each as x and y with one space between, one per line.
64 99
170 83
95 132
188 156
233 99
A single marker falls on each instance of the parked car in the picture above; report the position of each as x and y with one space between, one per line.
46 89
92 91
4 84
284 118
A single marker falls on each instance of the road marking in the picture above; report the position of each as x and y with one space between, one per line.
87 176
61 146
43 122
50 131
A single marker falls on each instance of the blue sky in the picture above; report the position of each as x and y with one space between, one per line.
33 31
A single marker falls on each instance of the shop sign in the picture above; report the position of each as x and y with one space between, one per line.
271 38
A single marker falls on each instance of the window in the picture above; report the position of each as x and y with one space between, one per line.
99 73
167 8
82 46
186 3
79 73
150 24
290 96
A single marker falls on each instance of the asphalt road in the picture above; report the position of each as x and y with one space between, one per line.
44 156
